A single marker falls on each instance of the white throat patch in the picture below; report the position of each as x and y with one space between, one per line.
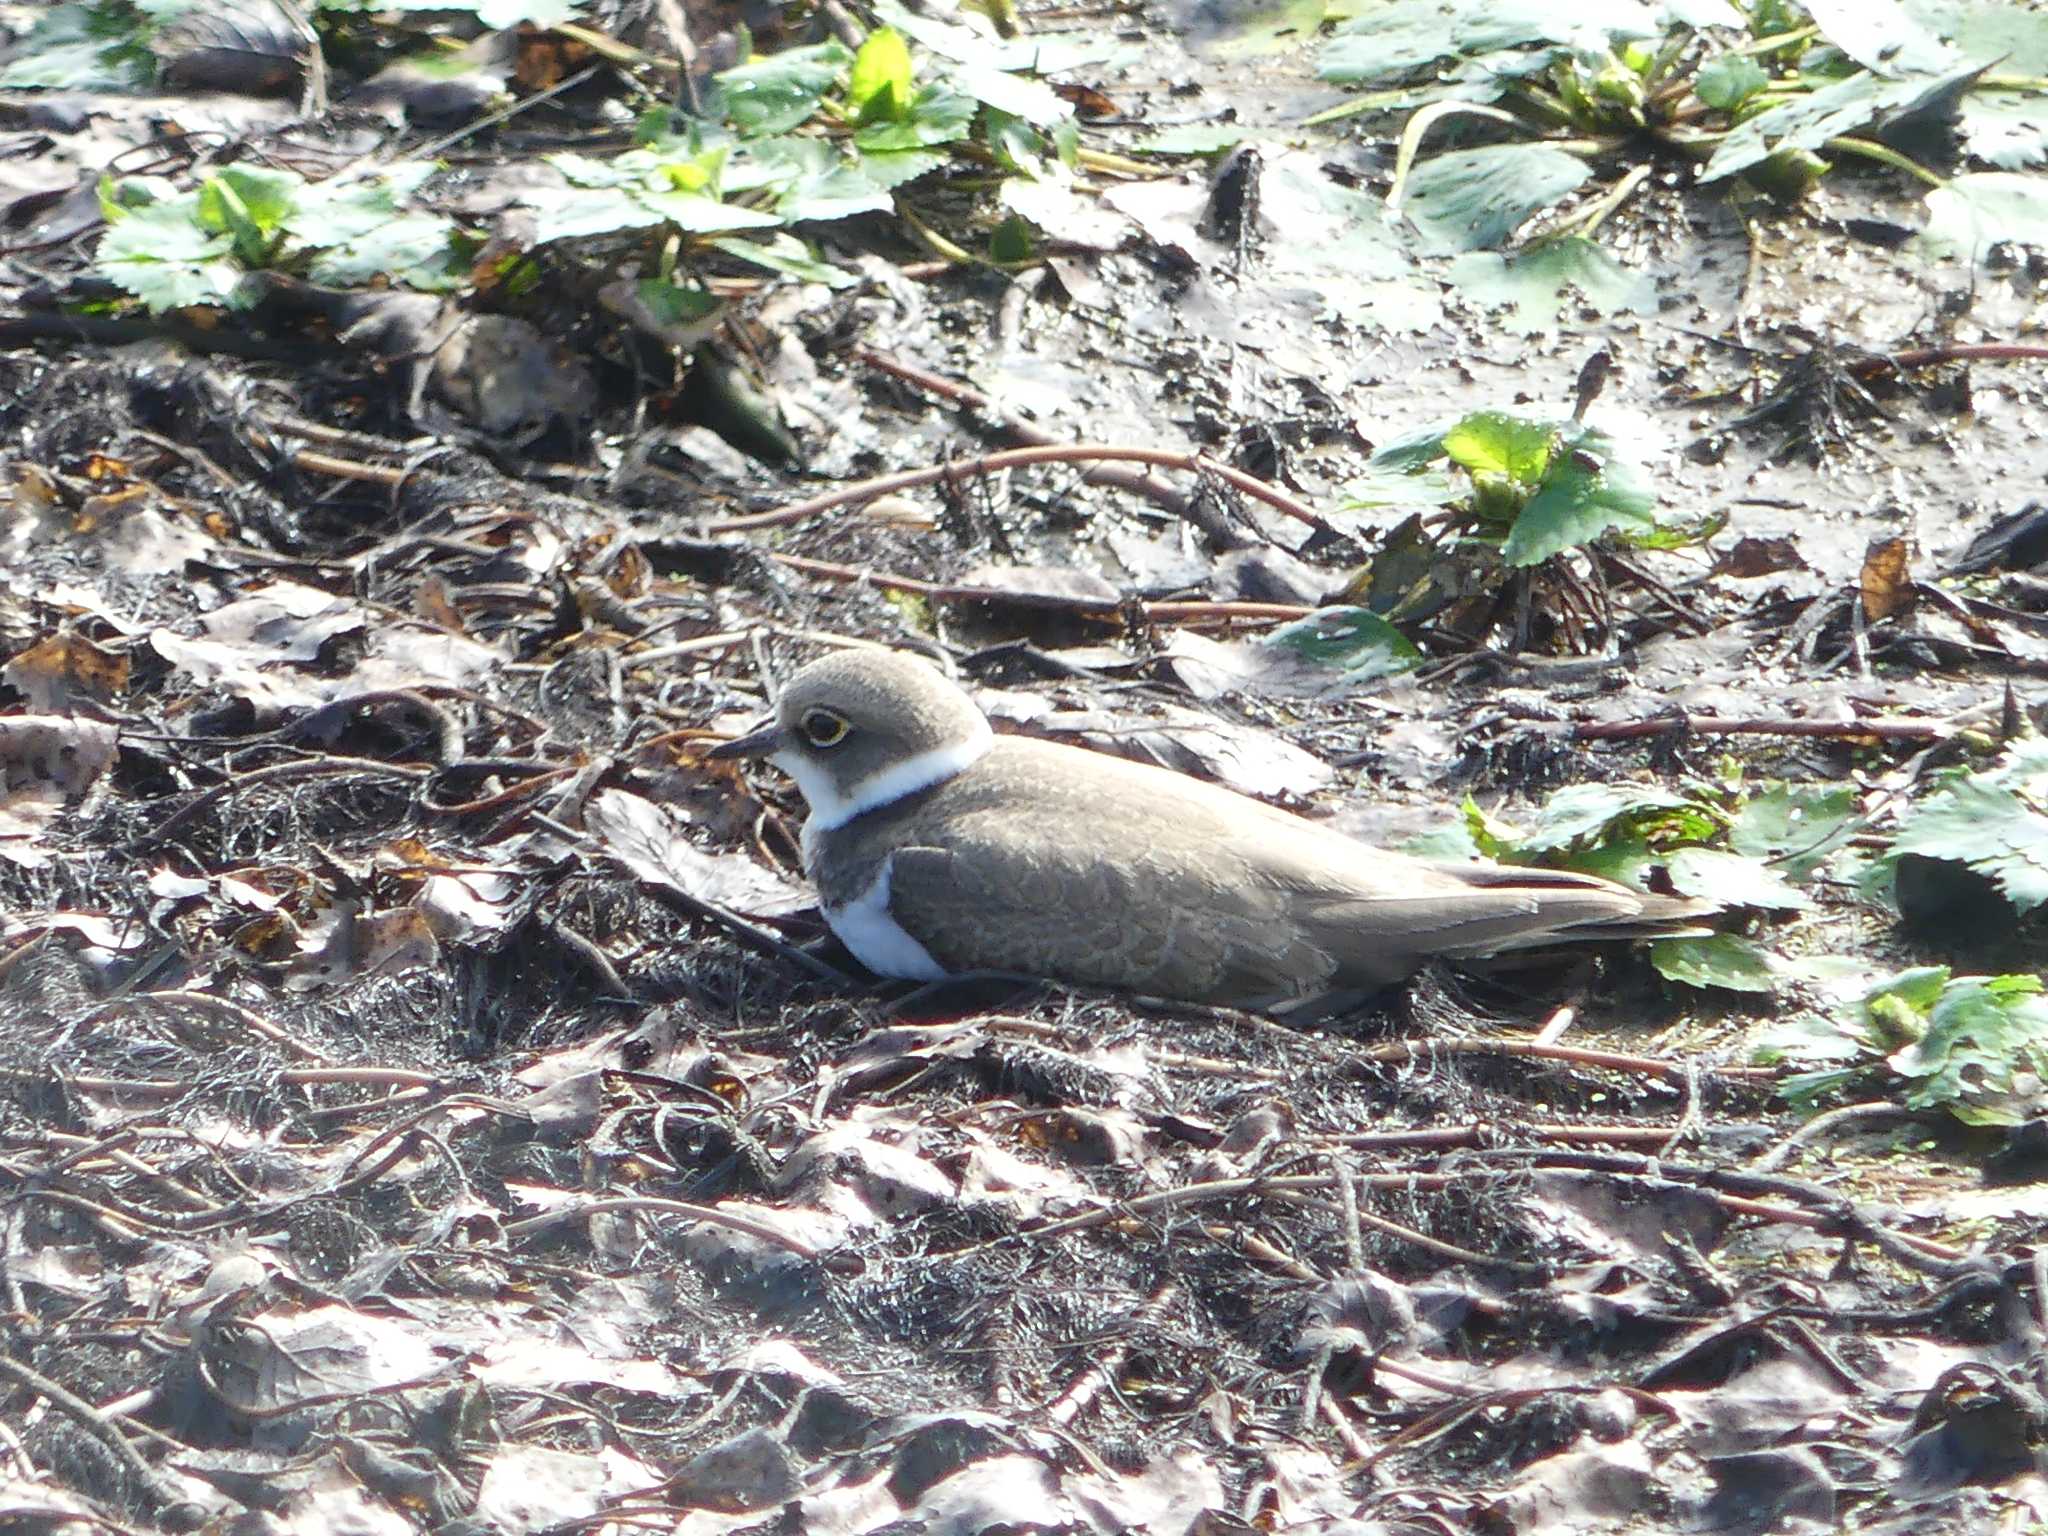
830 809
876 939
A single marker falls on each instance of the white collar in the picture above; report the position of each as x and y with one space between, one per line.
830 809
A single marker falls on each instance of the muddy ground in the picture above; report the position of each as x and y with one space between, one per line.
424 1103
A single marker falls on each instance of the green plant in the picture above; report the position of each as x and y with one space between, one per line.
1995 821
172 246
1737 847
1762 91
1959 1043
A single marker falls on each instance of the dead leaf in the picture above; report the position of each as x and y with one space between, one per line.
641 836
1753 557
65 670
1887 579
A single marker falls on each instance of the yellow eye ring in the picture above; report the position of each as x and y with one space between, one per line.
822 728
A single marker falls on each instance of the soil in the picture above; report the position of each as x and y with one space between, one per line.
427 1098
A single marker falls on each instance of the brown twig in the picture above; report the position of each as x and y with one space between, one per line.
1212 523
1110 610
1019 458
1405 1051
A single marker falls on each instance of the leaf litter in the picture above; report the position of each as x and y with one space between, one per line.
1602 441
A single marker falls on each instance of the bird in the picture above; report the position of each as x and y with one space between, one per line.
941 849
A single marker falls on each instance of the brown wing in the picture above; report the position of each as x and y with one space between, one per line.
1037 905
1218 898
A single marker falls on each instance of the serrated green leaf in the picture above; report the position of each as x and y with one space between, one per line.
1980 1034
249 204
695 214
2006 129
1626 860
1020 96
1411 452
774 95
1192 139
1918 987
889 169
1881 35
1992 821
839 192
1806 123
1511 448
584 211
878 89
1583 811
414 250
1797 825
159 253
81 48
1723 960
1586 492
1390 487
788 255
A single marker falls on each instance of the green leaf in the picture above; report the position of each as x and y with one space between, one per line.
1032 100
695 214
1474 199
788 255
940 115
1014 240
839 192
159 253
1980 1034
250 204
878 89
888 169
1805 824
1808 122
1412 452
1881 36
774 95
1586 493
1192 139
1386 487
2008 129
1728 80
1392 41
415 250
81 48
1354 642
1723 960
1582 811
1971 214
584 211
1732 880
1511 448
1918 987
1992 821
1541 281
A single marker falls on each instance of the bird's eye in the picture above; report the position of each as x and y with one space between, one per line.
822 728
